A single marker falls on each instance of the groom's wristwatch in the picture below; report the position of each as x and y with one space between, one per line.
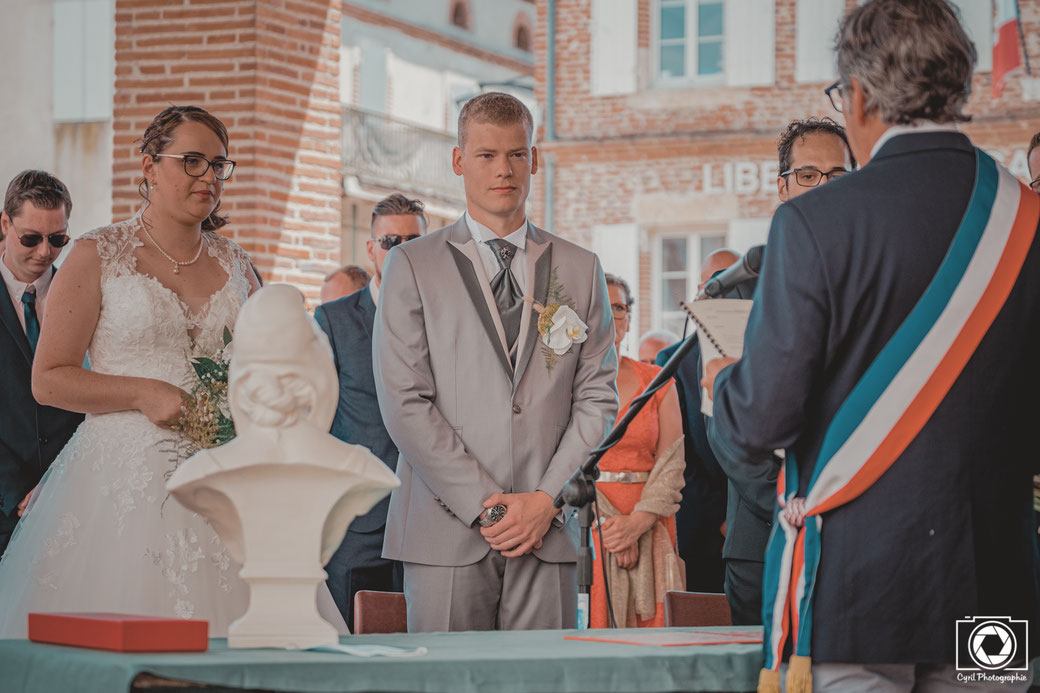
492 515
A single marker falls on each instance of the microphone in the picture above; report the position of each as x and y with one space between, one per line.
746 268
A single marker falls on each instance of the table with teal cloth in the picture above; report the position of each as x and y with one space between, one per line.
489 662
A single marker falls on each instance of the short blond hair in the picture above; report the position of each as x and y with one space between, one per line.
496 108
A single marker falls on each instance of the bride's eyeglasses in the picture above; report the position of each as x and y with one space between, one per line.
31 240
196 166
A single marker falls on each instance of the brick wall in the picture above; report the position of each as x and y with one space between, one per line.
269 70
640 157
437 38
719 109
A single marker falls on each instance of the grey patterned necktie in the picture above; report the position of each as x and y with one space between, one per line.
508 296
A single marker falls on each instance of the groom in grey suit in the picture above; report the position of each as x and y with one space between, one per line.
489 423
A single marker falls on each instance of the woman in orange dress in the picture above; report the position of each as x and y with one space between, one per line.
638 493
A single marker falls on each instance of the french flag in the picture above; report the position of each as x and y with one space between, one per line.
1007 51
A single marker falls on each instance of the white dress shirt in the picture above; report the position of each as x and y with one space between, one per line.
373 286
482 234
16 288
914 128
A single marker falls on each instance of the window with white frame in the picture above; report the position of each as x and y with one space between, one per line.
690 40
83 60
678 263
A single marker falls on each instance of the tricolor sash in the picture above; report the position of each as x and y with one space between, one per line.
892 402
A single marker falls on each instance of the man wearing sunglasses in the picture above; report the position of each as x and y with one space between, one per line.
358 563
35 223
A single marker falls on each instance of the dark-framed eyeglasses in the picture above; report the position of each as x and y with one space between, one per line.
834 93
1035 184
809 177
391 239
31 240
619 310
196 166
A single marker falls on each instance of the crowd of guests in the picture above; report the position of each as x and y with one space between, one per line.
482 362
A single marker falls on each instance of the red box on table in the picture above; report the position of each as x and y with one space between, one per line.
120 632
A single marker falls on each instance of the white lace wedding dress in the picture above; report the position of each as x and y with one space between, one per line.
102 534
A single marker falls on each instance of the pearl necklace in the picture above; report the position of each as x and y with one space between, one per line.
177 264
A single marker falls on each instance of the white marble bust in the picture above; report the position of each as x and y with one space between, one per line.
282 493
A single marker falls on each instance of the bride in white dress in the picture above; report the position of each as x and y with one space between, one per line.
140 298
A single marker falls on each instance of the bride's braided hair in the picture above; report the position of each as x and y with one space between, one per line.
159 133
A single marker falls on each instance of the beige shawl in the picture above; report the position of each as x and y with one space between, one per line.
637 591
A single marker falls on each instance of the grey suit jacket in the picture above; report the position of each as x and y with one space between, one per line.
348 324
467 423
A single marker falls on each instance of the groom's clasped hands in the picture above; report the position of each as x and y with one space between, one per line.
526 520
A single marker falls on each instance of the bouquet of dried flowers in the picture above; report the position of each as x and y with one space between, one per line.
205 419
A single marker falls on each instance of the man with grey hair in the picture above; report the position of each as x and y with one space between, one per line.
891 353
651 343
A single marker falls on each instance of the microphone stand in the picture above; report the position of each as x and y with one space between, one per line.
580 489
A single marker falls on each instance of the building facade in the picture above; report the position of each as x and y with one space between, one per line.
330 105
406 69
658 118
660 122
56 114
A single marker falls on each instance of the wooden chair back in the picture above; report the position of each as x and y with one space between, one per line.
380 612
696 609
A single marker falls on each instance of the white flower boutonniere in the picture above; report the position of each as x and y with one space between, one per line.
565 329
559 326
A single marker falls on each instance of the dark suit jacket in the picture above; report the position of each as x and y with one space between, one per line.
31 436
751 492
348 323
703 505
750 502
947 531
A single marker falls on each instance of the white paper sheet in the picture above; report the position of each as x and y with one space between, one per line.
720 323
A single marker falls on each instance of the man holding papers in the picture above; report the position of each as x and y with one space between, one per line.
891 352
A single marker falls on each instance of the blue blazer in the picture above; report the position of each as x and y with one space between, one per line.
348 323
31 436
948 531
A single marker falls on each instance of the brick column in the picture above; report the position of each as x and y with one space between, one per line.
269 70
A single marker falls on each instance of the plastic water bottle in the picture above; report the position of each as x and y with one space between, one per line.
583 611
